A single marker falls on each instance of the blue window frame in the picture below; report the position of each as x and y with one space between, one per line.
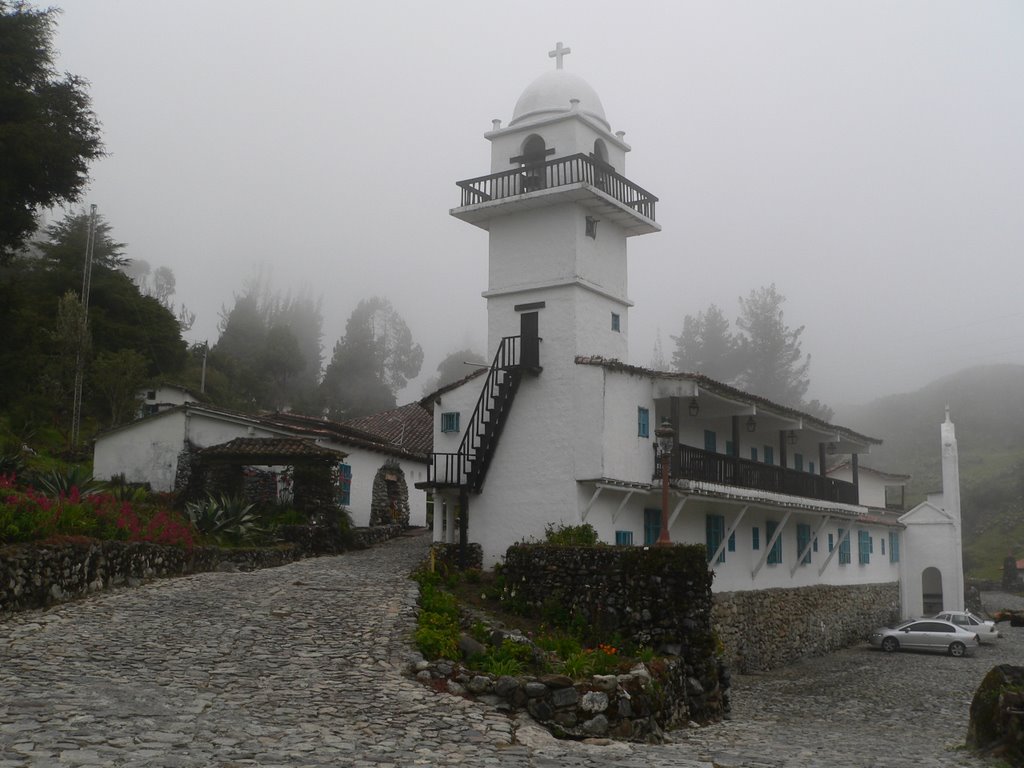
615 322
731 546
881 541
344 484
624 538
810 467
803 538
643 422
450 421
831 542
652 526
710 441
755 538
753 453
730 449
844 548
894 547
775 553
769 455
714 532
798 462
863 547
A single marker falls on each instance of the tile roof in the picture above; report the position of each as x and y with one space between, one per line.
410 427
271 448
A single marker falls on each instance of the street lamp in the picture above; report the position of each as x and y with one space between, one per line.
666 440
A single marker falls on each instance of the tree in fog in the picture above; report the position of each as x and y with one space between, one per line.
707 345
762 356
268 354
455 366
371 363
771 362
48 132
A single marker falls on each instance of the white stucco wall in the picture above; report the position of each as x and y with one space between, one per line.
144 452
566 135
871 485
931 542
365 464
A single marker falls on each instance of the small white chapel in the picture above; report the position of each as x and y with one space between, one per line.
561 429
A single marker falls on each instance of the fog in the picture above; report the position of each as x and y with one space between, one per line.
866 157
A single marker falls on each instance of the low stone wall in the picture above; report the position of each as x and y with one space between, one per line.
764 629
637 706
41 575
659 597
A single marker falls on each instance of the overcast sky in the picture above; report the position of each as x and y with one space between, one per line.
866 157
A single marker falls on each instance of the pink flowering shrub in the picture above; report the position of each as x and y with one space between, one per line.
28 515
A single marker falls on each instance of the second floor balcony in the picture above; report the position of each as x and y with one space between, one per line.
719 469
579 177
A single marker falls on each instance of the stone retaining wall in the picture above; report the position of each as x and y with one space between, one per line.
637 706
41 575
764 629
659 598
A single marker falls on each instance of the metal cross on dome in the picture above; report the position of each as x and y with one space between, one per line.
558 54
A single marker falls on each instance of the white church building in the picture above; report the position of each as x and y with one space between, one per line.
561 429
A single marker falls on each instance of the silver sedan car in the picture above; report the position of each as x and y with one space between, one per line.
925 635
985 630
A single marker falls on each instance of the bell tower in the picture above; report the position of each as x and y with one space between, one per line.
558 208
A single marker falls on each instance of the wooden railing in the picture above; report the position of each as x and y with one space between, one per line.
574 169
704 466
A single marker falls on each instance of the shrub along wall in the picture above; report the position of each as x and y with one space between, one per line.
763 629
40 575
659 598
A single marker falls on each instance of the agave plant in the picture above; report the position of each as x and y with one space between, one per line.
229 519
60 482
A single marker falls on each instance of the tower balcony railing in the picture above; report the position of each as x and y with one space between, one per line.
574 169
708 467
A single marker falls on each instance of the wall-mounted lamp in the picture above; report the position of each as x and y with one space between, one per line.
791 438
831 448
751 424
694 406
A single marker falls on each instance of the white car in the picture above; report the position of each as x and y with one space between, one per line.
985 630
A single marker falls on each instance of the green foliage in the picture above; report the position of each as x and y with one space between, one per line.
437 627
49 133
455 366
560 643
509 658
570 535
117 378
226 519
577 665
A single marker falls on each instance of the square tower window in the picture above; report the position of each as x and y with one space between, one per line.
615 322
591 230
450 421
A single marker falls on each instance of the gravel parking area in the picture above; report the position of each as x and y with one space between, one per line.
858 707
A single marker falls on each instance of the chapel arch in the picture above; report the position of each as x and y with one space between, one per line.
601 151
931 589
389 503
534 154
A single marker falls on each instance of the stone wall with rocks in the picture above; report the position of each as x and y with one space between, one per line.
996 727
764 629
638 706
40 575
658 597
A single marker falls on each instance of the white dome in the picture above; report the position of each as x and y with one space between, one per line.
549 95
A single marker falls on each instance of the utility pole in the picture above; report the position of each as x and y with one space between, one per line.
83 329
202 381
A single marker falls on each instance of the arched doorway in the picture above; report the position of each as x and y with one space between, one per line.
931 589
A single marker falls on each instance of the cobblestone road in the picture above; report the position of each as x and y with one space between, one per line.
302 666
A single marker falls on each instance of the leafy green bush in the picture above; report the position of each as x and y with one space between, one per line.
570 535
576 665
437 628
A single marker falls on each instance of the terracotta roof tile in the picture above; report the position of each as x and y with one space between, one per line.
271 447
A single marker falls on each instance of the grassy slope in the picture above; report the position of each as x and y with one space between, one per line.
987 406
